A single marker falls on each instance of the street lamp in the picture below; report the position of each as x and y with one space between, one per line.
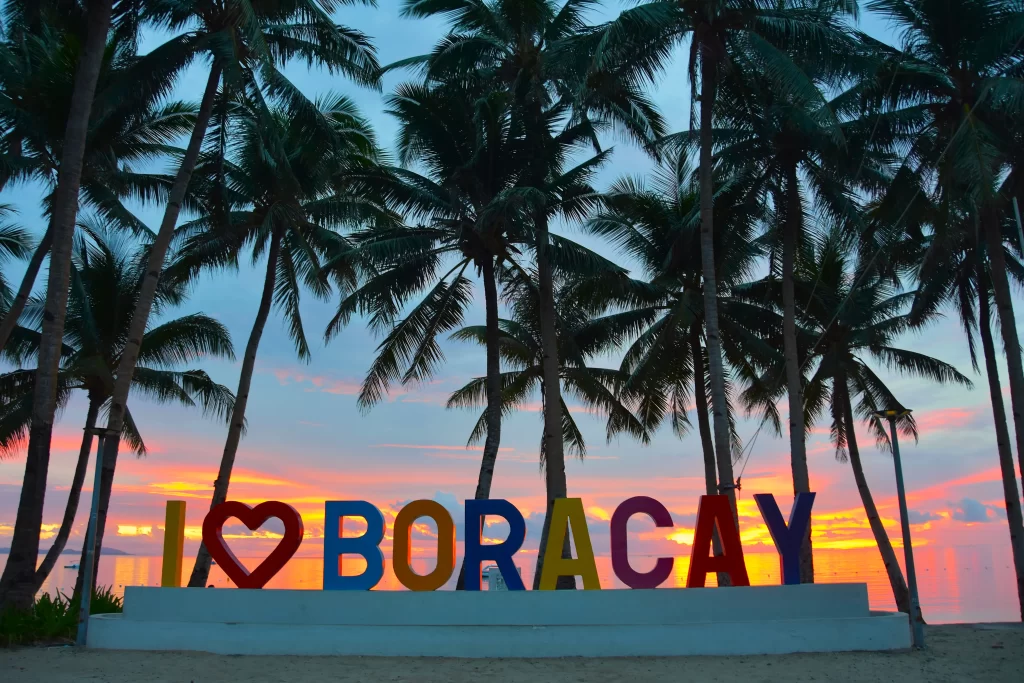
908 549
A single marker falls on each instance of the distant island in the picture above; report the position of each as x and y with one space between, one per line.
72 551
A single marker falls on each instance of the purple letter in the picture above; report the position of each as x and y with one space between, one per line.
620 555
788 538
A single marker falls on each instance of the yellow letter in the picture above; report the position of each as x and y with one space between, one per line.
569 512
174 544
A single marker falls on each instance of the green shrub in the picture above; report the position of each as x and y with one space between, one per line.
52 619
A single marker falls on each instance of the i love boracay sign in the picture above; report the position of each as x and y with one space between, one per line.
713 512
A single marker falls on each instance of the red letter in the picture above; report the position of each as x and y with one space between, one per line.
715 511
620 555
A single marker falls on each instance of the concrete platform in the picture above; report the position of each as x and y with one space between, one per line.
664 621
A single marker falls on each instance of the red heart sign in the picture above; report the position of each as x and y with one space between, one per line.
254 518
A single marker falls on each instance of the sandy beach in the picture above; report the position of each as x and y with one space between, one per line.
984 652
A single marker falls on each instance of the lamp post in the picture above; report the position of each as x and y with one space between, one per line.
908 548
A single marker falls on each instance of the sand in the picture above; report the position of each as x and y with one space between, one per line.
988 653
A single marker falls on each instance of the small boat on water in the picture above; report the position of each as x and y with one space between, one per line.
71 566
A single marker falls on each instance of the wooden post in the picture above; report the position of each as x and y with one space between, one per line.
174 544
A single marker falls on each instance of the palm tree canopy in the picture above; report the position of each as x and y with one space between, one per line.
106 277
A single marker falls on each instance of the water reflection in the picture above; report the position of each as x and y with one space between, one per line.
971 583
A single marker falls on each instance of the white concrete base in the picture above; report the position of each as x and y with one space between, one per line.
711 621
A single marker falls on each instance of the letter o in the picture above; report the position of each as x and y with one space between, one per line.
402 553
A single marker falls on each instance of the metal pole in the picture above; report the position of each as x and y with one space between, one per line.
1020 230
90 545
908 548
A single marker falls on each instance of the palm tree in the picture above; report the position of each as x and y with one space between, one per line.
465 139
131 125
105 283
284 201
657 223
18 579
247 42
520 46
807 161
582 338
730 39
852 316
958 78
952 271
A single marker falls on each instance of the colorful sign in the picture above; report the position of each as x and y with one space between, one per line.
713 513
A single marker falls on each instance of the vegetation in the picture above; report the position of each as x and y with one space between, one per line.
832 195
52 619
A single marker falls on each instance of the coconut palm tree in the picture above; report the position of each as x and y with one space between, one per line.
850 318
463 137
247 43
582 338
957 76
18 579
104 285
657 223
520 46
953 272
277 193
728 39
133 124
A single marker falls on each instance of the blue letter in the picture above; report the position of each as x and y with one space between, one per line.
367 545
499 553
788 539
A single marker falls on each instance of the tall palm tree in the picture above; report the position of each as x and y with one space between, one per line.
132 124
657 223
729 39
582 338
806 156
18 579
105 282
957 76
520 46
952 272
247 42
850 318
276 192
465 139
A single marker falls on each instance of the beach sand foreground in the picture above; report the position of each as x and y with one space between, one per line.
984 652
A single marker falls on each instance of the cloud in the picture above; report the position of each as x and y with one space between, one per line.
920 517
974 512
321 383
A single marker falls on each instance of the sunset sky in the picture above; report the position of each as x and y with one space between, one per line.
307 442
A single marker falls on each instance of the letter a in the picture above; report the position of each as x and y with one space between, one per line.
715 511
567 513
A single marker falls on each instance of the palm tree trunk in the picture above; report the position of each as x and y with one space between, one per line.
700 398
719 401
140 317
201 570
554 452
28 281
792 228
74 495
1008 327
1014 517
892 566
18 581
493 414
